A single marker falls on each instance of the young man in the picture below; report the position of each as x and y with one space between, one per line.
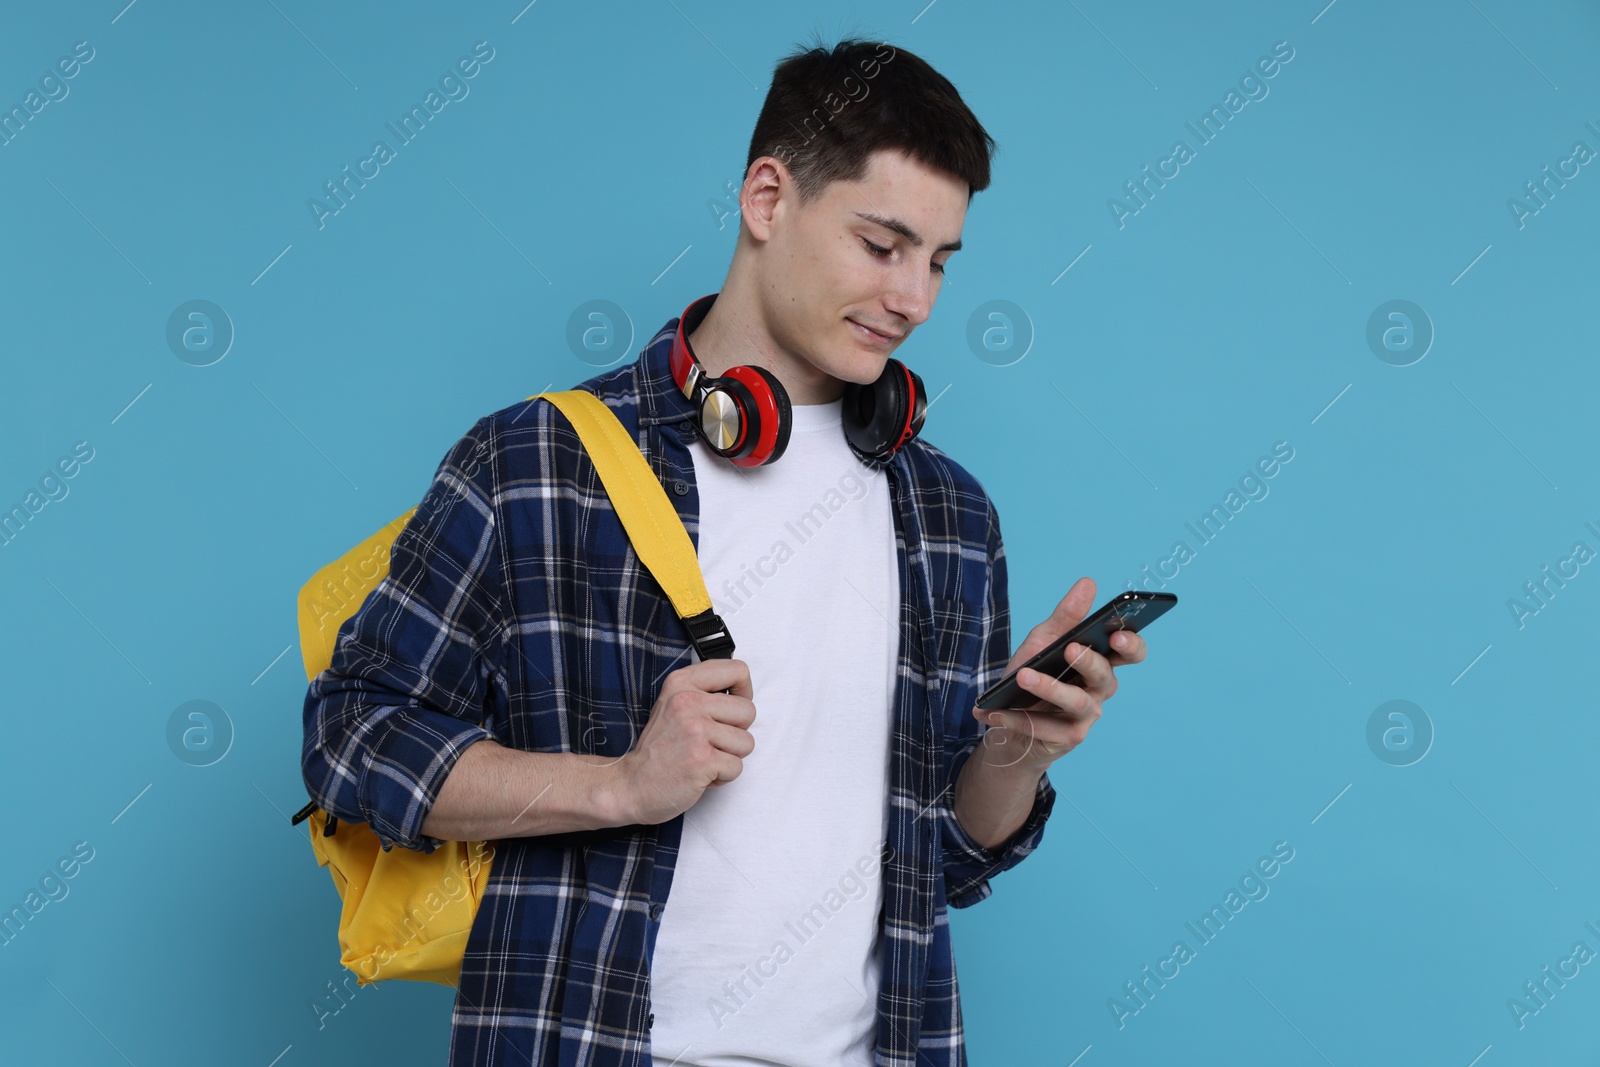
678 879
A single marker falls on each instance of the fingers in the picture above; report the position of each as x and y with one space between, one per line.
731 739
1093 667
726 682
712 676
727 767
1031 736
1128 647
1072 699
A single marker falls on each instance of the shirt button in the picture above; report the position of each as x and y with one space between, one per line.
680 487
655 912
650 1020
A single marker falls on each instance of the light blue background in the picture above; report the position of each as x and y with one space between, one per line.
1222 318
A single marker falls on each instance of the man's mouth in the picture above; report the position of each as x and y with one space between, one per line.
875 336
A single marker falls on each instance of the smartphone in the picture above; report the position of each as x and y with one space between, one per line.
1133 610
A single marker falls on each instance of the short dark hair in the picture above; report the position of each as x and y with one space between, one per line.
827 111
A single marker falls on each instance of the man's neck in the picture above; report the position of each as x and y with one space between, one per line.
733 333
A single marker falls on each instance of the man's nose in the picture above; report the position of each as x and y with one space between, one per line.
912 295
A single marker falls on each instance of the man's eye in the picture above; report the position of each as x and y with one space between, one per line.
938 268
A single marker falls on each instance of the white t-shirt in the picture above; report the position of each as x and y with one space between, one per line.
767 951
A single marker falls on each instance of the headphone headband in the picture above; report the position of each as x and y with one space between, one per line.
686 371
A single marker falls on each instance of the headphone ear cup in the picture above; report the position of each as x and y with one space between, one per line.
919 402
780 399
749 417
876 416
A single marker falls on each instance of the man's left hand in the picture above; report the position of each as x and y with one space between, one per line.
1036 736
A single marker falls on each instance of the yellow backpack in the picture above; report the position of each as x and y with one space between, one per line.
407 914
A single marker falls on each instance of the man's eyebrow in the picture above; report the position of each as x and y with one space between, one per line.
905 231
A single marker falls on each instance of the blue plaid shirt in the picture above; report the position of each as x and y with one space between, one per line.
515 599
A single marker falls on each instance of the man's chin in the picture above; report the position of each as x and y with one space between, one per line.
867 377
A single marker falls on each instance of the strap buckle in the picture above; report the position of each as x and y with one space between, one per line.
305 813
709 635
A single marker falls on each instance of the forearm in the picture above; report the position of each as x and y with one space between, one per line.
494 792
992 798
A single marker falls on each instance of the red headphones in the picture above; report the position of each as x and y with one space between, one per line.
744 415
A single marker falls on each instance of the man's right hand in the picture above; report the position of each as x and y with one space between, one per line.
697 736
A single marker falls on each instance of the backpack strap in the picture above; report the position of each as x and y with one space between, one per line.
652 523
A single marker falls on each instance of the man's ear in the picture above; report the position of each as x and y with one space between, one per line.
764 186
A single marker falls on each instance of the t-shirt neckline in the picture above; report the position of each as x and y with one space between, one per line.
807 418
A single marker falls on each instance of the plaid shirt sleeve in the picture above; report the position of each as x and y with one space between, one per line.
968 866
414 669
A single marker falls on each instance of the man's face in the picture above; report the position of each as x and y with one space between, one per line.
864 256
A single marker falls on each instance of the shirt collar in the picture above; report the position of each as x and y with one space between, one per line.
660 399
